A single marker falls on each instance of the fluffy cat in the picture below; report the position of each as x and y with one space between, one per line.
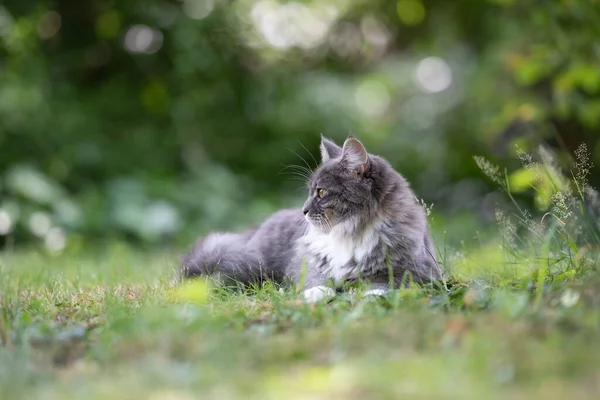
360 222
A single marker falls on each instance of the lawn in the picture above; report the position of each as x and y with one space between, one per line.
113 324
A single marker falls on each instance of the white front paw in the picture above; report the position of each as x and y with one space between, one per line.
317 293
375 292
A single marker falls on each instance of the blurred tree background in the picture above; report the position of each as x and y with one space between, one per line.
157 120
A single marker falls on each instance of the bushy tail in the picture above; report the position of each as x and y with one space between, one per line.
224 256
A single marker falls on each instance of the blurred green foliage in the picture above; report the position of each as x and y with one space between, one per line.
160 119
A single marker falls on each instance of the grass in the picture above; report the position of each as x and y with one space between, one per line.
112 325
518 318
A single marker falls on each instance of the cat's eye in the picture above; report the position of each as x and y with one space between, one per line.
320 193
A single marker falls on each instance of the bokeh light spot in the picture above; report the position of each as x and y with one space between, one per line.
160 218
375 31
372 98
49 25
143 39
411 12
39 223
433 75
6 222
292 24
198 9
108 24
6 22
55 240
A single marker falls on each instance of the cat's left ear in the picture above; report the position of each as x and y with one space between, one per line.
355 155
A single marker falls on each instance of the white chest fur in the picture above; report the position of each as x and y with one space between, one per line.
343 252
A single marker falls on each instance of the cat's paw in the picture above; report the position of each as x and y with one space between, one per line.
375 292
317 293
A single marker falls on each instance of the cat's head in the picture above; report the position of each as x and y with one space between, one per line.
341 190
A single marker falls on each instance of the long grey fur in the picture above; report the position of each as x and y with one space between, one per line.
361 221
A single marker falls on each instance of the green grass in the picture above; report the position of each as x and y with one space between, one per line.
518 318
111 325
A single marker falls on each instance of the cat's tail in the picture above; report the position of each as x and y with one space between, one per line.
224 256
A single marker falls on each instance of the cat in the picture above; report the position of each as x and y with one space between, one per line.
361 222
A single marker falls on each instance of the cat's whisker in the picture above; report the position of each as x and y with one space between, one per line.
300 167
311 156
294 168
299 176
302 158
328 225
298 170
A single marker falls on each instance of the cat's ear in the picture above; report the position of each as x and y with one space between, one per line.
355 155
329 149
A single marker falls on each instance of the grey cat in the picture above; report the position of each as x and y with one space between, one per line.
360 222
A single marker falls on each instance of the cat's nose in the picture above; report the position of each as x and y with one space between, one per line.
305 207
